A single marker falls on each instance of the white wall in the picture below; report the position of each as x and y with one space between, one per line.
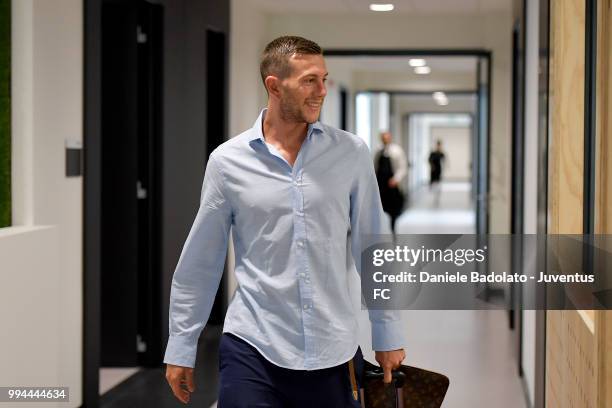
342 77
42 254
380 30
31 353
379 119
247 40
497 36
530 209
418 151
247 93
330 112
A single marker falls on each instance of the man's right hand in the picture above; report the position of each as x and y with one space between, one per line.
177 376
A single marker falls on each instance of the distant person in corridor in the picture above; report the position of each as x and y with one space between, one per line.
390 164
436 166
290 188
436 163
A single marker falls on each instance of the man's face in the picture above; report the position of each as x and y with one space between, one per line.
303 91
386 138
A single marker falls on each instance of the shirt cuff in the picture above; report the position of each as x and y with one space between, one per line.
387 336
181 351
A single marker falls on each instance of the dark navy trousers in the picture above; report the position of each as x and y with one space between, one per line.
247 379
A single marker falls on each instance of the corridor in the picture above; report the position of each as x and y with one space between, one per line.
473 348
112 114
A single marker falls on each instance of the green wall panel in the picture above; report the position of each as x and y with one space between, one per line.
5 113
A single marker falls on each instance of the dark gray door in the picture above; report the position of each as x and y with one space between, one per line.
131 179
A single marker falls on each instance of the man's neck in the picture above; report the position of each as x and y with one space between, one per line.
278 132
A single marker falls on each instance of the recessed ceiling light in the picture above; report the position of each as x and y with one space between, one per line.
440 98
442 101
417 62
381 7
422 70
439 95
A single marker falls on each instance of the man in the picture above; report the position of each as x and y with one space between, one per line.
390 164
436 161
290 188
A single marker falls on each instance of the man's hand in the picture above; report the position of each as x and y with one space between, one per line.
390 360
393 182
177 376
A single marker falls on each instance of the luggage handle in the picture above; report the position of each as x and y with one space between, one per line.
398 376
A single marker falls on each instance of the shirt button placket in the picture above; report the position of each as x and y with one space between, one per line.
303 281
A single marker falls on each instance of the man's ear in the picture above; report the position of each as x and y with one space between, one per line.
272 85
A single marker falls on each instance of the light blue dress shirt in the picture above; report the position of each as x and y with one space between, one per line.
296 233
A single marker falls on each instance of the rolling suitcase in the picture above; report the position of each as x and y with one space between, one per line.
411 388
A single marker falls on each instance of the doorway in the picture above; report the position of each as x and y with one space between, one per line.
131 184
370 108
216 129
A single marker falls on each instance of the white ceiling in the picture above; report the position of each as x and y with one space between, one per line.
414 7
395 73
426 103
453 65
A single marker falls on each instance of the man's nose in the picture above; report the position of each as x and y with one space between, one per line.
322 89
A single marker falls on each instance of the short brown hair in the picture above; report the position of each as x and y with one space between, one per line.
275 58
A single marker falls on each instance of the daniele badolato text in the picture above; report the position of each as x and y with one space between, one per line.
411 257
477 277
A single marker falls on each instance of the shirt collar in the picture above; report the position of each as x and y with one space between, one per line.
257 130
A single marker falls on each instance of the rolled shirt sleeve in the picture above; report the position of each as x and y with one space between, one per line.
400 166
367 217
199 269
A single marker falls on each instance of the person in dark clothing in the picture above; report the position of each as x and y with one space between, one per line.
390 165
436 161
